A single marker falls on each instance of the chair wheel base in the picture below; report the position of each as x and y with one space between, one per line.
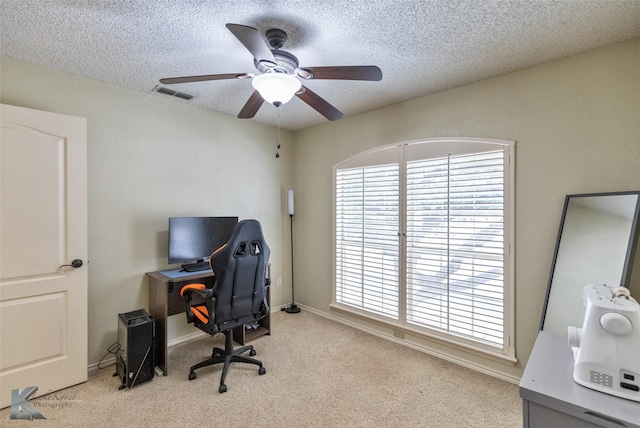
222 389
192 375
262 371
252 352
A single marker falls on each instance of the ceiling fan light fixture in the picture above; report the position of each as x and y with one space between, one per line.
276 88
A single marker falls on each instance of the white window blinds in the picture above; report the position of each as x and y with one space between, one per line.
367 215
455 244
422 242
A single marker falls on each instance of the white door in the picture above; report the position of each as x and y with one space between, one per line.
43 225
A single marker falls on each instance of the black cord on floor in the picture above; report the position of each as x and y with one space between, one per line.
113 349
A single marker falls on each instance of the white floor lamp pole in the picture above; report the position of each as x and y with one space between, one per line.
292 308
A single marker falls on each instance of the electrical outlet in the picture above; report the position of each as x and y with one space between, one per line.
279 281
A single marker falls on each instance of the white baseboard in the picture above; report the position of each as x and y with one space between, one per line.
103 365
187 338
177 341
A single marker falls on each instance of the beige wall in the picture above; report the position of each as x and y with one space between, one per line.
574 120
577 131
150 158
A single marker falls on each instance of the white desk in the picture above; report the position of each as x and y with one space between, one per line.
551 398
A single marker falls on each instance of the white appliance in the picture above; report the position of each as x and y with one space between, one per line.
606 349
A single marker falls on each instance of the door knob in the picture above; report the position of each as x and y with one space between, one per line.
75 264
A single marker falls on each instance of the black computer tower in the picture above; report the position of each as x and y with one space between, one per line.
135 360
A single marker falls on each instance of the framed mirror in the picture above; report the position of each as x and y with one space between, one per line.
596 245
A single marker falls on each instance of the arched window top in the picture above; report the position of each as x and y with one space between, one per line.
424 148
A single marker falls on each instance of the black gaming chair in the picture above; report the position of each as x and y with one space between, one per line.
238 295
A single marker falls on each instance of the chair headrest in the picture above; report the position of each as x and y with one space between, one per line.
247 238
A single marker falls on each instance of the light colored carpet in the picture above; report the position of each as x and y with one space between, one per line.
320 373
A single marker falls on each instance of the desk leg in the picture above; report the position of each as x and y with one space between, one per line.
158 310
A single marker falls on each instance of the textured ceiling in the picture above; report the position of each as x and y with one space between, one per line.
422 47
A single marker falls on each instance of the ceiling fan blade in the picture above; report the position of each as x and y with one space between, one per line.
253 41
251 107
347 72
189 79
319 104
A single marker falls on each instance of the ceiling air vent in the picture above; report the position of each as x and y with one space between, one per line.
170 92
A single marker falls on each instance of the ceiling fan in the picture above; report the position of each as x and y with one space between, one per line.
279 67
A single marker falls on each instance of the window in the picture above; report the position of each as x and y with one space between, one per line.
422 239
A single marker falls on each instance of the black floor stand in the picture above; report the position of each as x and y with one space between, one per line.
292 308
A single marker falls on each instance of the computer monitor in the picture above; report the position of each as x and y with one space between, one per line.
193 239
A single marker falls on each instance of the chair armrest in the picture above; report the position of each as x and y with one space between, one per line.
187 292
200 289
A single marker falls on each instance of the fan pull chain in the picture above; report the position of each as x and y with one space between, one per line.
278 147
